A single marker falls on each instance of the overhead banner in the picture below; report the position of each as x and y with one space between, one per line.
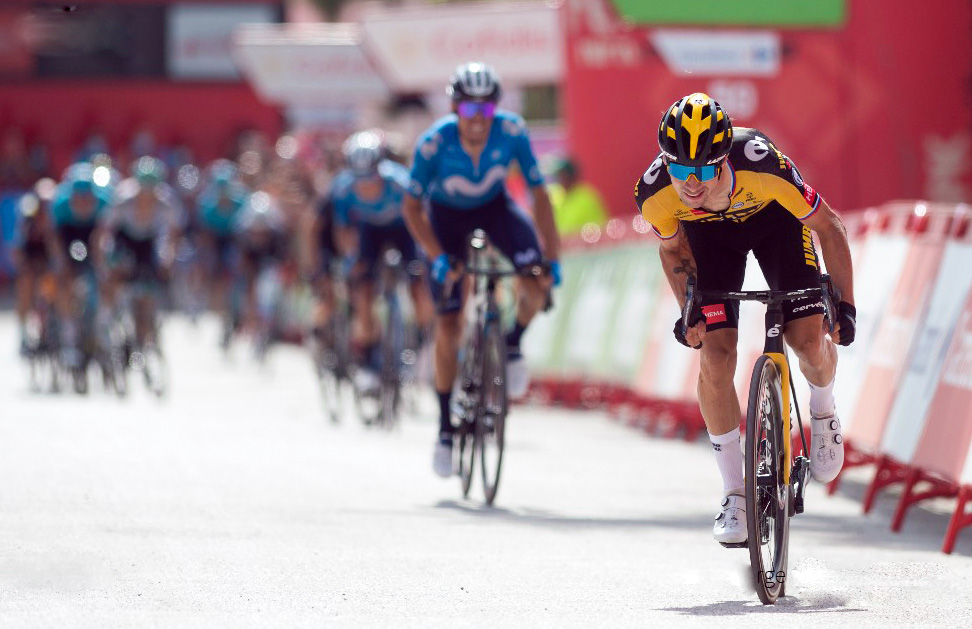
199 38
707 53
745 12
416 50
322 64
16 56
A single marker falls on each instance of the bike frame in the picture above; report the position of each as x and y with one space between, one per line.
776 350
773 345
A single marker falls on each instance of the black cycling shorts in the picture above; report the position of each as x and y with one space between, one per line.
373 240
509 230
782 245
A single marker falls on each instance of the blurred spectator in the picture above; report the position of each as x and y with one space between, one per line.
16 170
94 144
575 202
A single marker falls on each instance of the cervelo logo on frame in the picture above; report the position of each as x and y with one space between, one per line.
716 313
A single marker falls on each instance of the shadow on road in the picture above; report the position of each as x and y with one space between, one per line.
923 529
825 603
546 518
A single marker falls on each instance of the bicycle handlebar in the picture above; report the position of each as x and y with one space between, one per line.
826 292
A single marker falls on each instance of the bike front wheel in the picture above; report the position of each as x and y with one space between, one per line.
491 424
767 495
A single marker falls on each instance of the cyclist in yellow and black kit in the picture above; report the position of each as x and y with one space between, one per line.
712 195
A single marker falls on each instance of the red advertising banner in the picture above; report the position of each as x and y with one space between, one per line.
876 110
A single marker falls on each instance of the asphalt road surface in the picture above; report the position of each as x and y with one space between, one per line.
235 503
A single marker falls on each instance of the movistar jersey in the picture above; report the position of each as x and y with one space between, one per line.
761 176
386 210
445 173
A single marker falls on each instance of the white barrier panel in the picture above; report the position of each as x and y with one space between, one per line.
417 47
670 370
945 443
591 318
914 395
635 305
886 362
877 269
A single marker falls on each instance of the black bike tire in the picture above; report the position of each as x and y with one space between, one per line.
765 385
391 367
467 455
471 382
491 420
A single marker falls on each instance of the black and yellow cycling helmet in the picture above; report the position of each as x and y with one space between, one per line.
695 131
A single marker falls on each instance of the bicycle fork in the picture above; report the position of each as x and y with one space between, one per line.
795 470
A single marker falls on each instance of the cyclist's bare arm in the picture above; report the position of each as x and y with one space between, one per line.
836 252
420 227
678 262
544 218
835 249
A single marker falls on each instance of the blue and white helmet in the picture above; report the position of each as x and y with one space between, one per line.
363 151
474 80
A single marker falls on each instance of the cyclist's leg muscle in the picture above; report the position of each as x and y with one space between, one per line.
817 353
717 392
448 329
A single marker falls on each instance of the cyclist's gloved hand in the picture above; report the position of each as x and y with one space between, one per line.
555 272
679 332
440 268
847 320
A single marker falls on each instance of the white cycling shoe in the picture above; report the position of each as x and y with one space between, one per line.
517 376
730 526
826 448
366 381
442 460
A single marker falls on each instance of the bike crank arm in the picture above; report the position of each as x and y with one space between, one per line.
799 477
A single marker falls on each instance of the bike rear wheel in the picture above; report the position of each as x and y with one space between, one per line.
491 424
467 454
767 495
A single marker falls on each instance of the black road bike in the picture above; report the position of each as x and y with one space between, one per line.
776 474
482 403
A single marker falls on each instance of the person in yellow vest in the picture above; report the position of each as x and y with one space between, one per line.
575 202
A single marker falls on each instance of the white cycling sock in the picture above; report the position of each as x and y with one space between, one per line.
730 459
822 399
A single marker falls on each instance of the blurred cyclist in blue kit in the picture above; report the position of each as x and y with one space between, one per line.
367 203
459 172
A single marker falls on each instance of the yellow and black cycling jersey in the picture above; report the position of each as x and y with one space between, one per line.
761 176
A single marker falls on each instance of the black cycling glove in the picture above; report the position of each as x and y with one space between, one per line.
679 332
847 319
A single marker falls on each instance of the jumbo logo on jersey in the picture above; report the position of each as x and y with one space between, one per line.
651 175
756 149
459 185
